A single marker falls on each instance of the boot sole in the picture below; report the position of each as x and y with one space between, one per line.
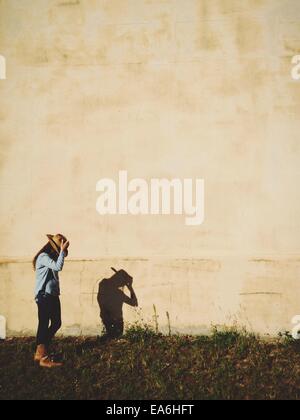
50 367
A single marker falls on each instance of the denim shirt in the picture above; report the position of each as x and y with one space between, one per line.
47 271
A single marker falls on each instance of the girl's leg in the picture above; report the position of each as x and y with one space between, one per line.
44 319
55 318
49 310
42 333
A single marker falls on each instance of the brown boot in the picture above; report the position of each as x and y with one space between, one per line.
46 362
40 353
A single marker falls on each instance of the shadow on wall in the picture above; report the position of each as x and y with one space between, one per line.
111 298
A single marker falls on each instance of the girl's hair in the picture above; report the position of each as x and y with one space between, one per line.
48 250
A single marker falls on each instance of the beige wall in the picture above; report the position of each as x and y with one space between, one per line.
161 88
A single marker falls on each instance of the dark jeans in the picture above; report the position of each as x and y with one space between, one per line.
49 311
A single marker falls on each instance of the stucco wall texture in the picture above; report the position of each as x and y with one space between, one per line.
162 89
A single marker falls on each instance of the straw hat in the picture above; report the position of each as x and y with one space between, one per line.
55 242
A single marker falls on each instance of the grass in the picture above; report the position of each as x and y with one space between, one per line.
228 365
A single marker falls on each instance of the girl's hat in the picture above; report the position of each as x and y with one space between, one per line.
55 242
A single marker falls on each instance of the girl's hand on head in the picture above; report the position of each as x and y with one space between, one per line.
64 245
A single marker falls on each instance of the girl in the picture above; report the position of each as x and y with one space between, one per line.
47 264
